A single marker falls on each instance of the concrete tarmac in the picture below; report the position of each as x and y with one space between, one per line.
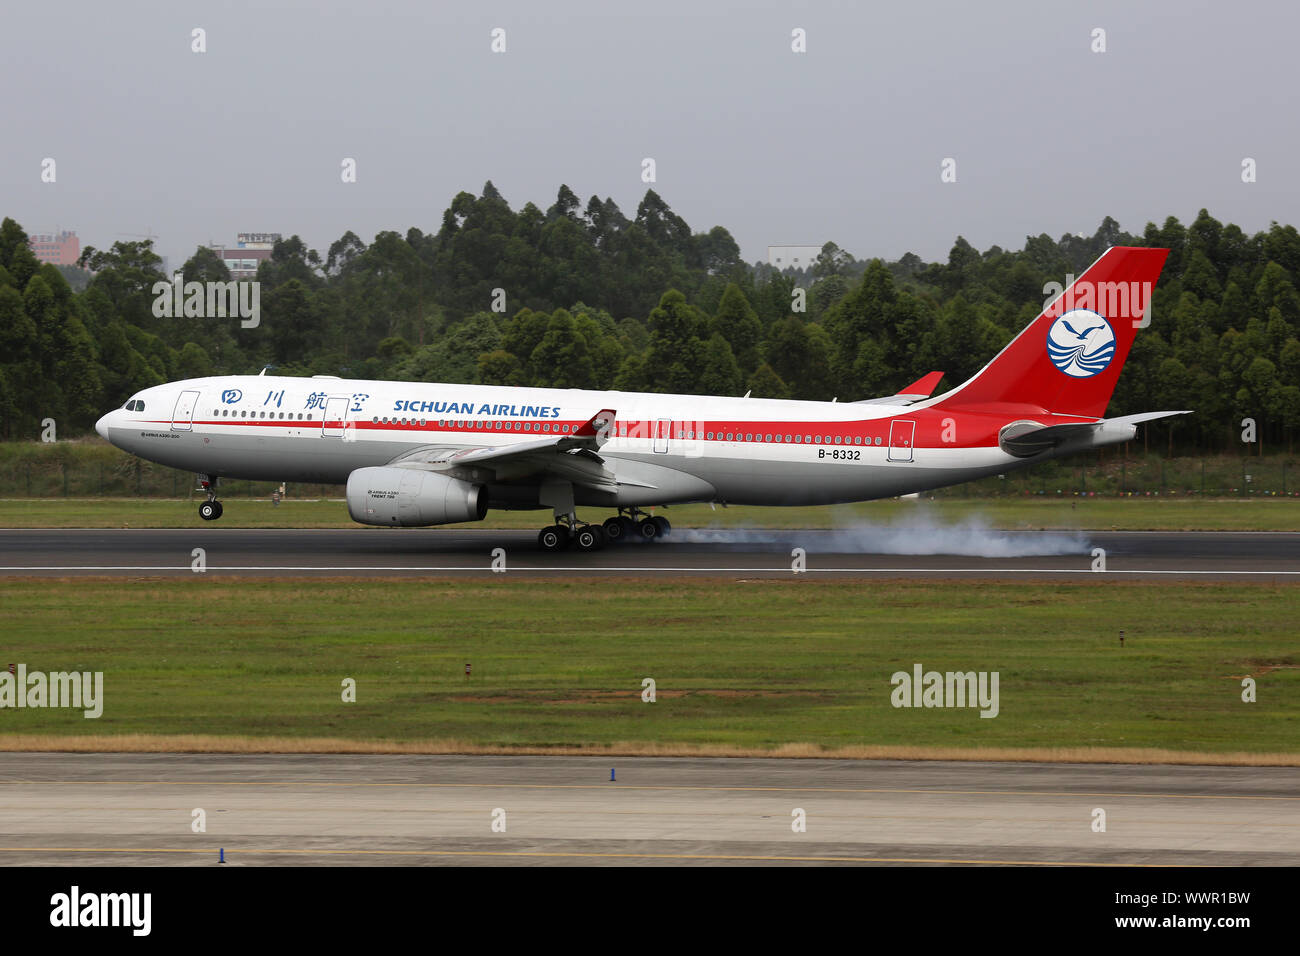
882 552
136 809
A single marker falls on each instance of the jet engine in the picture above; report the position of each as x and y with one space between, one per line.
409 498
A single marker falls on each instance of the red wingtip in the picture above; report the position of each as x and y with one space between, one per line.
603 420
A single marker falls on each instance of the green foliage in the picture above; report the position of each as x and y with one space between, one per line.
595 299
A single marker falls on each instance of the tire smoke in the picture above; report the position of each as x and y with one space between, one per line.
919 534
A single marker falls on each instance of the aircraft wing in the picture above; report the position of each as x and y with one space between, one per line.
922 388
573 457
1025 439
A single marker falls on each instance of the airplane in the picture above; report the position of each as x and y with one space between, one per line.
417 454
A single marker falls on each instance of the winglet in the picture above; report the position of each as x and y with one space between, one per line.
598 427
923 387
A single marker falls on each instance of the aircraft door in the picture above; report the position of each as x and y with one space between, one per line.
901 434
662 427
334 420
183 413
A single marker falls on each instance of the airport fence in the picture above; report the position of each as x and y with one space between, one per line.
91 469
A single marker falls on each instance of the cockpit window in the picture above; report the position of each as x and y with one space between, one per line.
134 405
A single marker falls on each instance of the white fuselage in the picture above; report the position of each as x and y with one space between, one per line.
664 448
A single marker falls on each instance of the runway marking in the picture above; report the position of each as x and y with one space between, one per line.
590 855
472 810
640 570
617 786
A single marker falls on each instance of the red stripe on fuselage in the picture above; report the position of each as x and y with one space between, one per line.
934 428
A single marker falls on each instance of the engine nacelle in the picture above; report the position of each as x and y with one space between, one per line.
409 498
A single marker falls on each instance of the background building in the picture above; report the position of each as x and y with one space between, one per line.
61 249
792 257
249 251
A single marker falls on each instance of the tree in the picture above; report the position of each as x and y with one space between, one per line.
205 266
719 373
561 359
126 274
737 323
831 261
289 319
342 252
765 383
798 352
673 360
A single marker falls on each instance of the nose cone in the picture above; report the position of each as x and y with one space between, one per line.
101 426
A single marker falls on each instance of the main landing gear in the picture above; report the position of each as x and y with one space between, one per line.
211 509
630 524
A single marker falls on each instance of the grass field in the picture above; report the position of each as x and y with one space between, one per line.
1095 514
740 667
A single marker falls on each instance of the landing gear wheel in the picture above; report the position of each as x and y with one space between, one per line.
646 529
629 527
553 538
665 529
616 531
210 510
589 538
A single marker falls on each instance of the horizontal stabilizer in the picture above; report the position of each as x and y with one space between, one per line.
922 388
1025 439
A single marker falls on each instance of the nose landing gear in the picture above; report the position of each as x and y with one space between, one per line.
211 509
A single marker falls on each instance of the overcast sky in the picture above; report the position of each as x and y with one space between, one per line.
843 142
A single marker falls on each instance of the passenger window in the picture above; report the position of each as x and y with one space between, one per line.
798 439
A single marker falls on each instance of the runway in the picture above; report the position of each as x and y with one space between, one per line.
898 553
116 809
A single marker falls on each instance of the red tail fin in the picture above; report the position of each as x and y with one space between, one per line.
1068 360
